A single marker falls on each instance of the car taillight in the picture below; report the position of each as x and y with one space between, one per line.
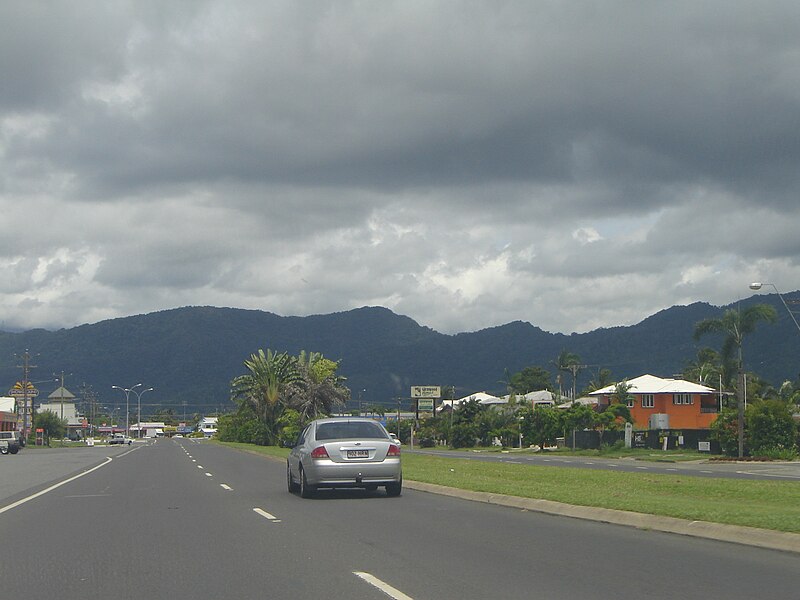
319 452
394 450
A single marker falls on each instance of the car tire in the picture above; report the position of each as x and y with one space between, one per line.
3 449
293 487
306 490
394 489
13 449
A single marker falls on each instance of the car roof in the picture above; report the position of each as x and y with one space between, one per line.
343 419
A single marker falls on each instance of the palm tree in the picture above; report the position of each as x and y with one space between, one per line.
705 367
568 362
319 390
264 387
735 325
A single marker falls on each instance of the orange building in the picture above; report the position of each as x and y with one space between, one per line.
688 405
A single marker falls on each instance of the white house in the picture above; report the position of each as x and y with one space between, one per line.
208 426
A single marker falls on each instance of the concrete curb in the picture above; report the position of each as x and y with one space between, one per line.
749 536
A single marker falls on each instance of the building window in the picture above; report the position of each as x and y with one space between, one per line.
682 399
630 401
648 401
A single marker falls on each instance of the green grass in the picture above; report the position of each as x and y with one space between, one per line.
764 504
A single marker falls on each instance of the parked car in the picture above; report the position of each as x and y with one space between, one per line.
119 439
344 453
10 442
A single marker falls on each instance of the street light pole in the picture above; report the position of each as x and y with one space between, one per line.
139 417
757 285
127 404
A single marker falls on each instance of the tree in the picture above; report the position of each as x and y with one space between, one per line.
615 413
567 362
51 423
530 379
578 416
601 380
540 425
735 325
465 430
621 393
705 369
771 429
265 385
319 390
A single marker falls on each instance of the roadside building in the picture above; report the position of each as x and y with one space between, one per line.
208 426
658 403
8 413
62 403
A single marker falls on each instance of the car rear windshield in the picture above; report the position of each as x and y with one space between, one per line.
350 430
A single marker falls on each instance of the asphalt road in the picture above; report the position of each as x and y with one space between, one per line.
724 469
186 519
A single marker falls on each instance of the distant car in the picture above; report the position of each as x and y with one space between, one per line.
395 439
10 442
119 439
344 453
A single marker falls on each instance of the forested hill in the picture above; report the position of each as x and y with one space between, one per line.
191 354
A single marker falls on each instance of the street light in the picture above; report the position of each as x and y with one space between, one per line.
127 407
139 418
757 285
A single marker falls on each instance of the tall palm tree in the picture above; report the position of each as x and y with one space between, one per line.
735 325
264 387
319 390
567 362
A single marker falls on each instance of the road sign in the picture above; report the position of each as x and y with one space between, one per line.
18 391
425 404
426 391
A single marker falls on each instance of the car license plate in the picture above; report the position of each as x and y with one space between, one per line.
358 454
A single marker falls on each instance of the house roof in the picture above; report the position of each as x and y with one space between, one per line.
62 393
650 384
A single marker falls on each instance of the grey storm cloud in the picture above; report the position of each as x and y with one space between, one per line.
466 163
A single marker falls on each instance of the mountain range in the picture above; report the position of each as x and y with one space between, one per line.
189 355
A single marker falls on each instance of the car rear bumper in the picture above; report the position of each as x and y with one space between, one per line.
329 474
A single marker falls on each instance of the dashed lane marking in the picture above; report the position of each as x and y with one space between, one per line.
382 586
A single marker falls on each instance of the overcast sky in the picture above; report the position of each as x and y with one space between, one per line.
571 164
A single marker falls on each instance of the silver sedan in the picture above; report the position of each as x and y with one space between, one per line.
344 452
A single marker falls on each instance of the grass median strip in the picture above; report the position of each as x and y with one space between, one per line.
764 504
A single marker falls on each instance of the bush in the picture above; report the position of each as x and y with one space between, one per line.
776 453
725 430
771 428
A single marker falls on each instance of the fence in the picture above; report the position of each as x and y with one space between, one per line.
687 439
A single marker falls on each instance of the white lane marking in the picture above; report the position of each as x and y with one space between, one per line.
199 466
266 515
52 487
706 471
643 468
672 469
226 487
382 586
209 475
762 474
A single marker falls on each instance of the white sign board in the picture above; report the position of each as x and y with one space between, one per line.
426 391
